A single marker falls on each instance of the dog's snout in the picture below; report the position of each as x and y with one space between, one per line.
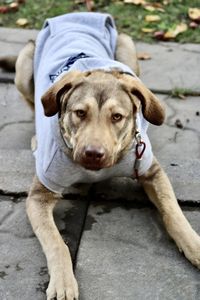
94 153
93 157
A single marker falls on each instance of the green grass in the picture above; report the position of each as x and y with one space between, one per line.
129 18
181 93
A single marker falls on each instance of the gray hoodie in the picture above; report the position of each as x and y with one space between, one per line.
76 41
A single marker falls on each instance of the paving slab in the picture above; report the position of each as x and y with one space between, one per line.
13 108
125 253
11 42
16 131
171 66
17 36
17 171
22 133
177 146
23 271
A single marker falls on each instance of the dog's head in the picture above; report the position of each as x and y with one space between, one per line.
97 114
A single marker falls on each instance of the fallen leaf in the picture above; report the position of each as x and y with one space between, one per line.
166 2
143 56
152 18
79 1
89 4
182 96
178 123
172 33
193 25
22 22
153 8
156 4
14 6
159 35
135 2
4 9
194 14
147 30
149 7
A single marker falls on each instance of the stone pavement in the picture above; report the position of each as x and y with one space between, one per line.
119 246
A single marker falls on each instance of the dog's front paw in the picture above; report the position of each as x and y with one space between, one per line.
191 250
62 285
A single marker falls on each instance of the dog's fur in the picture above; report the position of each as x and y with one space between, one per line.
84 97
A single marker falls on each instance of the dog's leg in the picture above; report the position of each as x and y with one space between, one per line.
158 188
24 73
126 52
40 204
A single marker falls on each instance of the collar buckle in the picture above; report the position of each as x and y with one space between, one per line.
139 151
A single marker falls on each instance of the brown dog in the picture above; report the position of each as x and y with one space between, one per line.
98 125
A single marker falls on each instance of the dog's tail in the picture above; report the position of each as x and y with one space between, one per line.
8 63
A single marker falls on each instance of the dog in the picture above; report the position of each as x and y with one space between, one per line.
92 114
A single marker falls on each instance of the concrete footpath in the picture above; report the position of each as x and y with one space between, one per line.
118 244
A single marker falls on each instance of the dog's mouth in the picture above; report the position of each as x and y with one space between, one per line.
92 167
93 158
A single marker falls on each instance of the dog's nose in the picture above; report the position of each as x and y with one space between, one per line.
93 157
94 153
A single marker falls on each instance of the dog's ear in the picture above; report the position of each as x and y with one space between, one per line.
51 99
153 111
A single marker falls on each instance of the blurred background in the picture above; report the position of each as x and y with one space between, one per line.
146 20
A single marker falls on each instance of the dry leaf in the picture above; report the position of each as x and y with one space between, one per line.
159 35
149 7
135 2
14 6
182 96
79 1
194 14
153 8
172 33
143 56
4 9
147 30
166 2
89 4
22 22
193 25
152 18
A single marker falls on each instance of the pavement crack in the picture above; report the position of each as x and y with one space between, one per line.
180 47
6 216
11 42
173 114
185 128
190 51
13 196
6 80
14 123
6 231
170 92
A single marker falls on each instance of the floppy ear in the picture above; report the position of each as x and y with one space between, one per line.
153 111
51 99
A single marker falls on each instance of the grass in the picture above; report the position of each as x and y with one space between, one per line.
129 18
181 93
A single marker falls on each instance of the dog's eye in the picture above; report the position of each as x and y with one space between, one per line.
80 113
117 117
